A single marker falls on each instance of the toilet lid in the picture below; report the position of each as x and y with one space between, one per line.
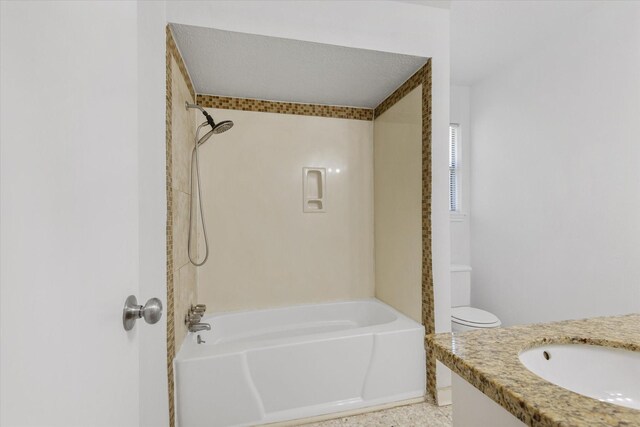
474 317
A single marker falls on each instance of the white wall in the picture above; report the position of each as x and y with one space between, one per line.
387 26
264 251
555 155
460 223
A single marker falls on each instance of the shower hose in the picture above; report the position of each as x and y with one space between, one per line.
195 161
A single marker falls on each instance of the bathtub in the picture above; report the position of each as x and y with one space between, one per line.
281 364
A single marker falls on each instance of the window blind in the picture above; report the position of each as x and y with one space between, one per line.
454 164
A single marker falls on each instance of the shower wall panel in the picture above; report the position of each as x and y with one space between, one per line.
265 250
182 140
398 205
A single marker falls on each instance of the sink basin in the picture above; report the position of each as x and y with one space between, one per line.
608 374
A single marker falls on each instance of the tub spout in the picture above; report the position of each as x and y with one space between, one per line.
197 327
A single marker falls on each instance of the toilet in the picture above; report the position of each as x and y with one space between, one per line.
464 317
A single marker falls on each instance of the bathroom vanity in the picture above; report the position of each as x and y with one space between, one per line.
492 385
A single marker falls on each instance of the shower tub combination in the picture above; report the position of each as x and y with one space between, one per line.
274 365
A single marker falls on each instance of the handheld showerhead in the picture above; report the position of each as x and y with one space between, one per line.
216 129
223 126
195 184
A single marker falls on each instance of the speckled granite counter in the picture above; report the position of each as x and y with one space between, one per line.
489 361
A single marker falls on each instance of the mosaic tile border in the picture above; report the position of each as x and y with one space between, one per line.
246 104
172 48
422 77
412 82
428 304
171 52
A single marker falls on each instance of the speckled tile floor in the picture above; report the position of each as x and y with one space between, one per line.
416 415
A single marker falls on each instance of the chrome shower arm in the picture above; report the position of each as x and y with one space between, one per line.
187 106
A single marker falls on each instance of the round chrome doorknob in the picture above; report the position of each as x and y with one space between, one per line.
152 312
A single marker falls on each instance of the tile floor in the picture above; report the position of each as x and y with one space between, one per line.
416 415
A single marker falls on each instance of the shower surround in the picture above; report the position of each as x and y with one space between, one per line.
282 256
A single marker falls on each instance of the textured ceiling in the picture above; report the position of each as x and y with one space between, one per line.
227 63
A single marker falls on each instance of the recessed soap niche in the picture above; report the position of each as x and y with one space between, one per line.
314 190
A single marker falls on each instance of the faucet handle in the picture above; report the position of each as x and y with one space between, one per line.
194 315
197 310
191 318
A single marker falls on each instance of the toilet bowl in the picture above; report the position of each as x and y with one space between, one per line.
467 318
463 316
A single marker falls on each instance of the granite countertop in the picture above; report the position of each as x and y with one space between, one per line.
488 359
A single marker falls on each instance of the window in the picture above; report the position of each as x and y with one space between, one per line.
454 168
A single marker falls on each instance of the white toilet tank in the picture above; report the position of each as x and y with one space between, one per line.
460 285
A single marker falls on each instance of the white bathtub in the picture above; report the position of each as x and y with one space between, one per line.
281 364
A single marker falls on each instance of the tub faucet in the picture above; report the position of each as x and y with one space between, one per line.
197 327
193 317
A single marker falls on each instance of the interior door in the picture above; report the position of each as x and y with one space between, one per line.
71 213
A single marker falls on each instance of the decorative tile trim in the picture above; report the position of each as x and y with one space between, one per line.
412 82
245 104
171 346
422 77
428 305
171 52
